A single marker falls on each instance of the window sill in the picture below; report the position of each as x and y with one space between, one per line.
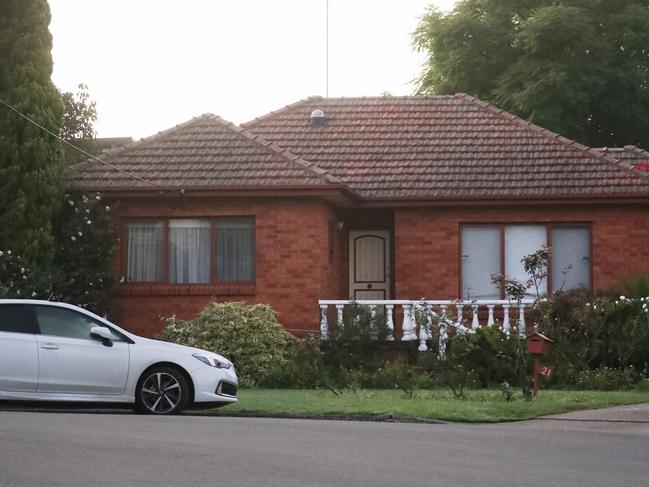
159 289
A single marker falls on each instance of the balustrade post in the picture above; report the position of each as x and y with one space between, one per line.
408 323
459 307
373 313
324 324
389 321
475 324
506 323
522 332
443 335
339 314
425 329
490 320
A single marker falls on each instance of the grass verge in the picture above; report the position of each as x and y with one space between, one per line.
479 405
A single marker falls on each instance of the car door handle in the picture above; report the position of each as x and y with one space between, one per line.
49 346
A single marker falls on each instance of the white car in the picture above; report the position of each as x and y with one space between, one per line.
59 352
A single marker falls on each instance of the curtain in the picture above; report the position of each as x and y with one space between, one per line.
235 250
570 257
144 255
189 251
480 259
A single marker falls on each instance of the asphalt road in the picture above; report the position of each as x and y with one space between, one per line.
61 449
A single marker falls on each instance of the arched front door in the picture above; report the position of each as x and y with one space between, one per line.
369 264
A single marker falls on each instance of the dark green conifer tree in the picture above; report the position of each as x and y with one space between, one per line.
31 162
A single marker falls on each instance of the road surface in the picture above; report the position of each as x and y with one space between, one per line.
75 449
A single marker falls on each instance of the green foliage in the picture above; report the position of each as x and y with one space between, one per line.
31 164
636 285
247 334
594 331
85 237
606 379
81 269
79 117
485 358
578 67
350 357
536 266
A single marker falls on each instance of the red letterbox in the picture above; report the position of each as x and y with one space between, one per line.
538 344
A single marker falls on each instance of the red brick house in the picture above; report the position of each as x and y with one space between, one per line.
372 198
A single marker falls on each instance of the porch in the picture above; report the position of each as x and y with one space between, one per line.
423 320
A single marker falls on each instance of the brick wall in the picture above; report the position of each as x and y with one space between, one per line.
427 260
293 265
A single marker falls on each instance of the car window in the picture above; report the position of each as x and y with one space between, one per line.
17 318
66 323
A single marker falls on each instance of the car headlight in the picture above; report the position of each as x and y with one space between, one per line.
212 361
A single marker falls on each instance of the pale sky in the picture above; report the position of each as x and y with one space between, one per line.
151 64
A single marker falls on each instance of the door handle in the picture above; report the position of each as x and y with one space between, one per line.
49 346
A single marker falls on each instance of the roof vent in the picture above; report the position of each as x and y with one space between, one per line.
318 117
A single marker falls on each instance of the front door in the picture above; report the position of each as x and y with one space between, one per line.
369 264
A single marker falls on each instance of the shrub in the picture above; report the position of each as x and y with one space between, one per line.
606 379
349 358
80 272
485 358
248 334
591 331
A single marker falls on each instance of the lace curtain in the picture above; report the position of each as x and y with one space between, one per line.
235 250
144 260
189 251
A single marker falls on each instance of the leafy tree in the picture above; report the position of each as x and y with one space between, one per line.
79 117
578 67
81 270
30 159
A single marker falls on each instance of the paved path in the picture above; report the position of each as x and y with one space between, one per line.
638 413
70 450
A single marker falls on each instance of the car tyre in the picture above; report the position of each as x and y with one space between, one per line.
161 390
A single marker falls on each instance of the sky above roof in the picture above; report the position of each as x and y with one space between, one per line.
151 64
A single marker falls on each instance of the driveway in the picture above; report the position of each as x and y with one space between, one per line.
62 449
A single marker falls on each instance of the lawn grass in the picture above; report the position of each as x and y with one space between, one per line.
479 405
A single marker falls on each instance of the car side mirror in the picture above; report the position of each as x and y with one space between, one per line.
103 334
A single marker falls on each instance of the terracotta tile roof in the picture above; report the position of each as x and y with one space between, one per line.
204 153
629 154
443 147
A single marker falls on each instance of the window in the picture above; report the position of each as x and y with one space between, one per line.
17 318
191 251
522 240
144 251
67 323
570 257
483 246
235 250
480 259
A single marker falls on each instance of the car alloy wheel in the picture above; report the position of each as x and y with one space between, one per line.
162 391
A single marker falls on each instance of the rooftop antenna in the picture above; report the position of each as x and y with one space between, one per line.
327 55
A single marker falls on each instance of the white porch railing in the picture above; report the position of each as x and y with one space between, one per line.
446 315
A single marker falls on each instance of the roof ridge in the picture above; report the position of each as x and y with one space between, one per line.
636 149
537 128
251 123
284 153
285 108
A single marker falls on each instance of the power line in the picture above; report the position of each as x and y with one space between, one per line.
87 154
